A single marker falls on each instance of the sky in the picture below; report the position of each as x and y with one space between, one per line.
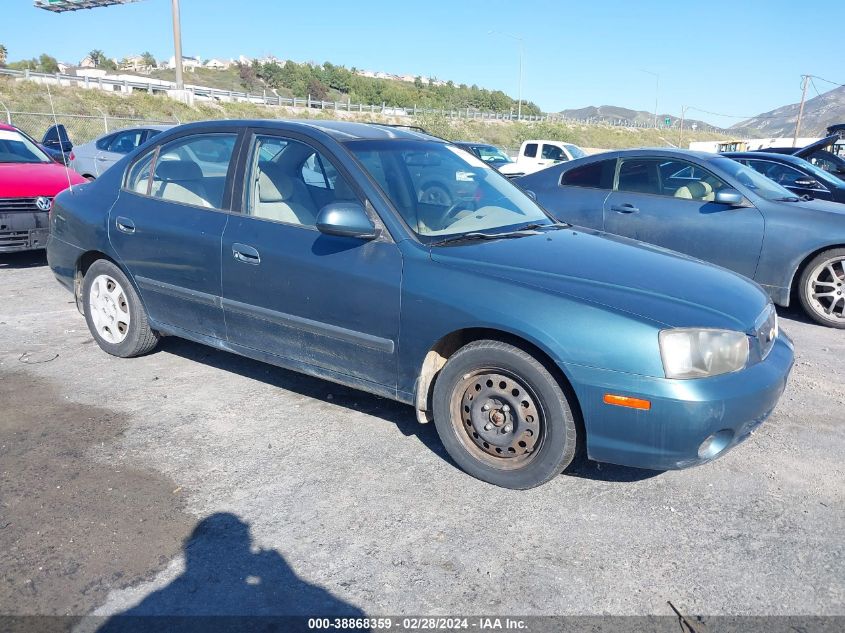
728 57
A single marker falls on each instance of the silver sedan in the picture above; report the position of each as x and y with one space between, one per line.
93 158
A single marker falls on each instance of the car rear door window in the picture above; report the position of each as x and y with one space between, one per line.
190 170
598 175
531 150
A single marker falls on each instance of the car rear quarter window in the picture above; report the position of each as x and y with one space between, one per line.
598 175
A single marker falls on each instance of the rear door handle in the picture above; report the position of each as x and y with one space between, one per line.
245 254
124 224
624 208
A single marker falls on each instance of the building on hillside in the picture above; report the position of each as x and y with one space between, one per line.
134 63
217 64
188 63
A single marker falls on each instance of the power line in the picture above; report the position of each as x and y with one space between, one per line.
835 83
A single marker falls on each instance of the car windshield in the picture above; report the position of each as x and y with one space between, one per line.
17 148
441 190
753 179
490 154
575 151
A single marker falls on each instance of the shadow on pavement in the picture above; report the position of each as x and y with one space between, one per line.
228 586
401 415
24 259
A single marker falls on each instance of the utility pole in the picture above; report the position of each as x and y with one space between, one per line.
177 45
681 128
806 79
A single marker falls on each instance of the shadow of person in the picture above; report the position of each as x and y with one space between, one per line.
226 586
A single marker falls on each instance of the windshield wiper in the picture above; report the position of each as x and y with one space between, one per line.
477 236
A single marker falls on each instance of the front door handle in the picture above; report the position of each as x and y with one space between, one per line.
245 254
625 208
124 225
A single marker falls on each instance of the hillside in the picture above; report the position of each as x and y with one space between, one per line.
615 114
819 112
31 97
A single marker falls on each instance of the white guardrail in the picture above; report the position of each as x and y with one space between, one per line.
161 87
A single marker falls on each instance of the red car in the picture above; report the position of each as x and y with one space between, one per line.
29 179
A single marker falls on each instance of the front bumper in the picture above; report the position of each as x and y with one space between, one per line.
23 231
683 412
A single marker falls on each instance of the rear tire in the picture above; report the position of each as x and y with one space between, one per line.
821 288
115 315
503 417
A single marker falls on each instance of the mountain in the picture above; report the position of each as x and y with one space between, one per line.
819 112
616 115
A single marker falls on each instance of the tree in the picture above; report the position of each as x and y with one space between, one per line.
317 89
97 57
108 64
47 64
3 55
148 59
247 75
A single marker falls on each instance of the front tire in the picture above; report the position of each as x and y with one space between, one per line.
114 312
503 417
822 288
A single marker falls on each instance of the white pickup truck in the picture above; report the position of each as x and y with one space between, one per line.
536 155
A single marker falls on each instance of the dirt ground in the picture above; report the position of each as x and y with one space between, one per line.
195 481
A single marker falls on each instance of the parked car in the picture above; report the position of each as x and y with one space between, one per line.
490 154
57 143
525 340
796 174
93 158
536 155
29 179
817 153
713 208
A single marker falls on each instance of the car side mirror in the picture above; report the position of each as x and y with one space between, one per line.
806 182
730 197
346 219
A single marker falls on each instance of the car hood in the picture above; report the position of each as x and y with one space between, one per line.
817 204
28 180
654 284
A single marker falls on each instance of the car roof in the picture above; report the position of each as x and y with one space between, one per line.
650 152
775 156
338 130
8 128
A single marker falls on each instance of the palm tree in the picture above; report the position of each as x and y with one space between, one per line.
148 59
96 56
3 53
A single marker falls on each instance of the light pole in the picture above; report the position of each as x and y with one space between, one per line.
521 55
656 91
177 45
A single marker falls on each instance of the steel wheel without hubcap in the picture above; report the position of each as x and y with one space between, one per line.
497 418
826 289
109 309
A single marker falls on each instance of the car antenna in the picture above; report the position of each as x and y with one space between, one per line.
61 145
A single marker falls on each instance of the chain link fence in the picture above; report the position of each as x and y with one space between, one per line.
80 128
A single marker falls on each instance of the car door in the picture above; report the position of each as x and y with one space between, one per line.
167 226
326 302
669 202
577 196
798 182
551 155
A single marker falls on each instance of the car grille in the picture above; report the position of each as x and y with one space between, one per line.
19 204
14 238
766 331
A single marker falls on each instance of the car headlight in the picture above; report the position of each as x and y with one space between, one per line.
698 353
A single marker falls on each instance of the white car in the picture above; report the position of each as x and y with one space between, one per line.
535 155
93 158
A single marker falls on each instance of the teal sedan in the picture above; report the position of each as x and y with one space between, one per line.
527 342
